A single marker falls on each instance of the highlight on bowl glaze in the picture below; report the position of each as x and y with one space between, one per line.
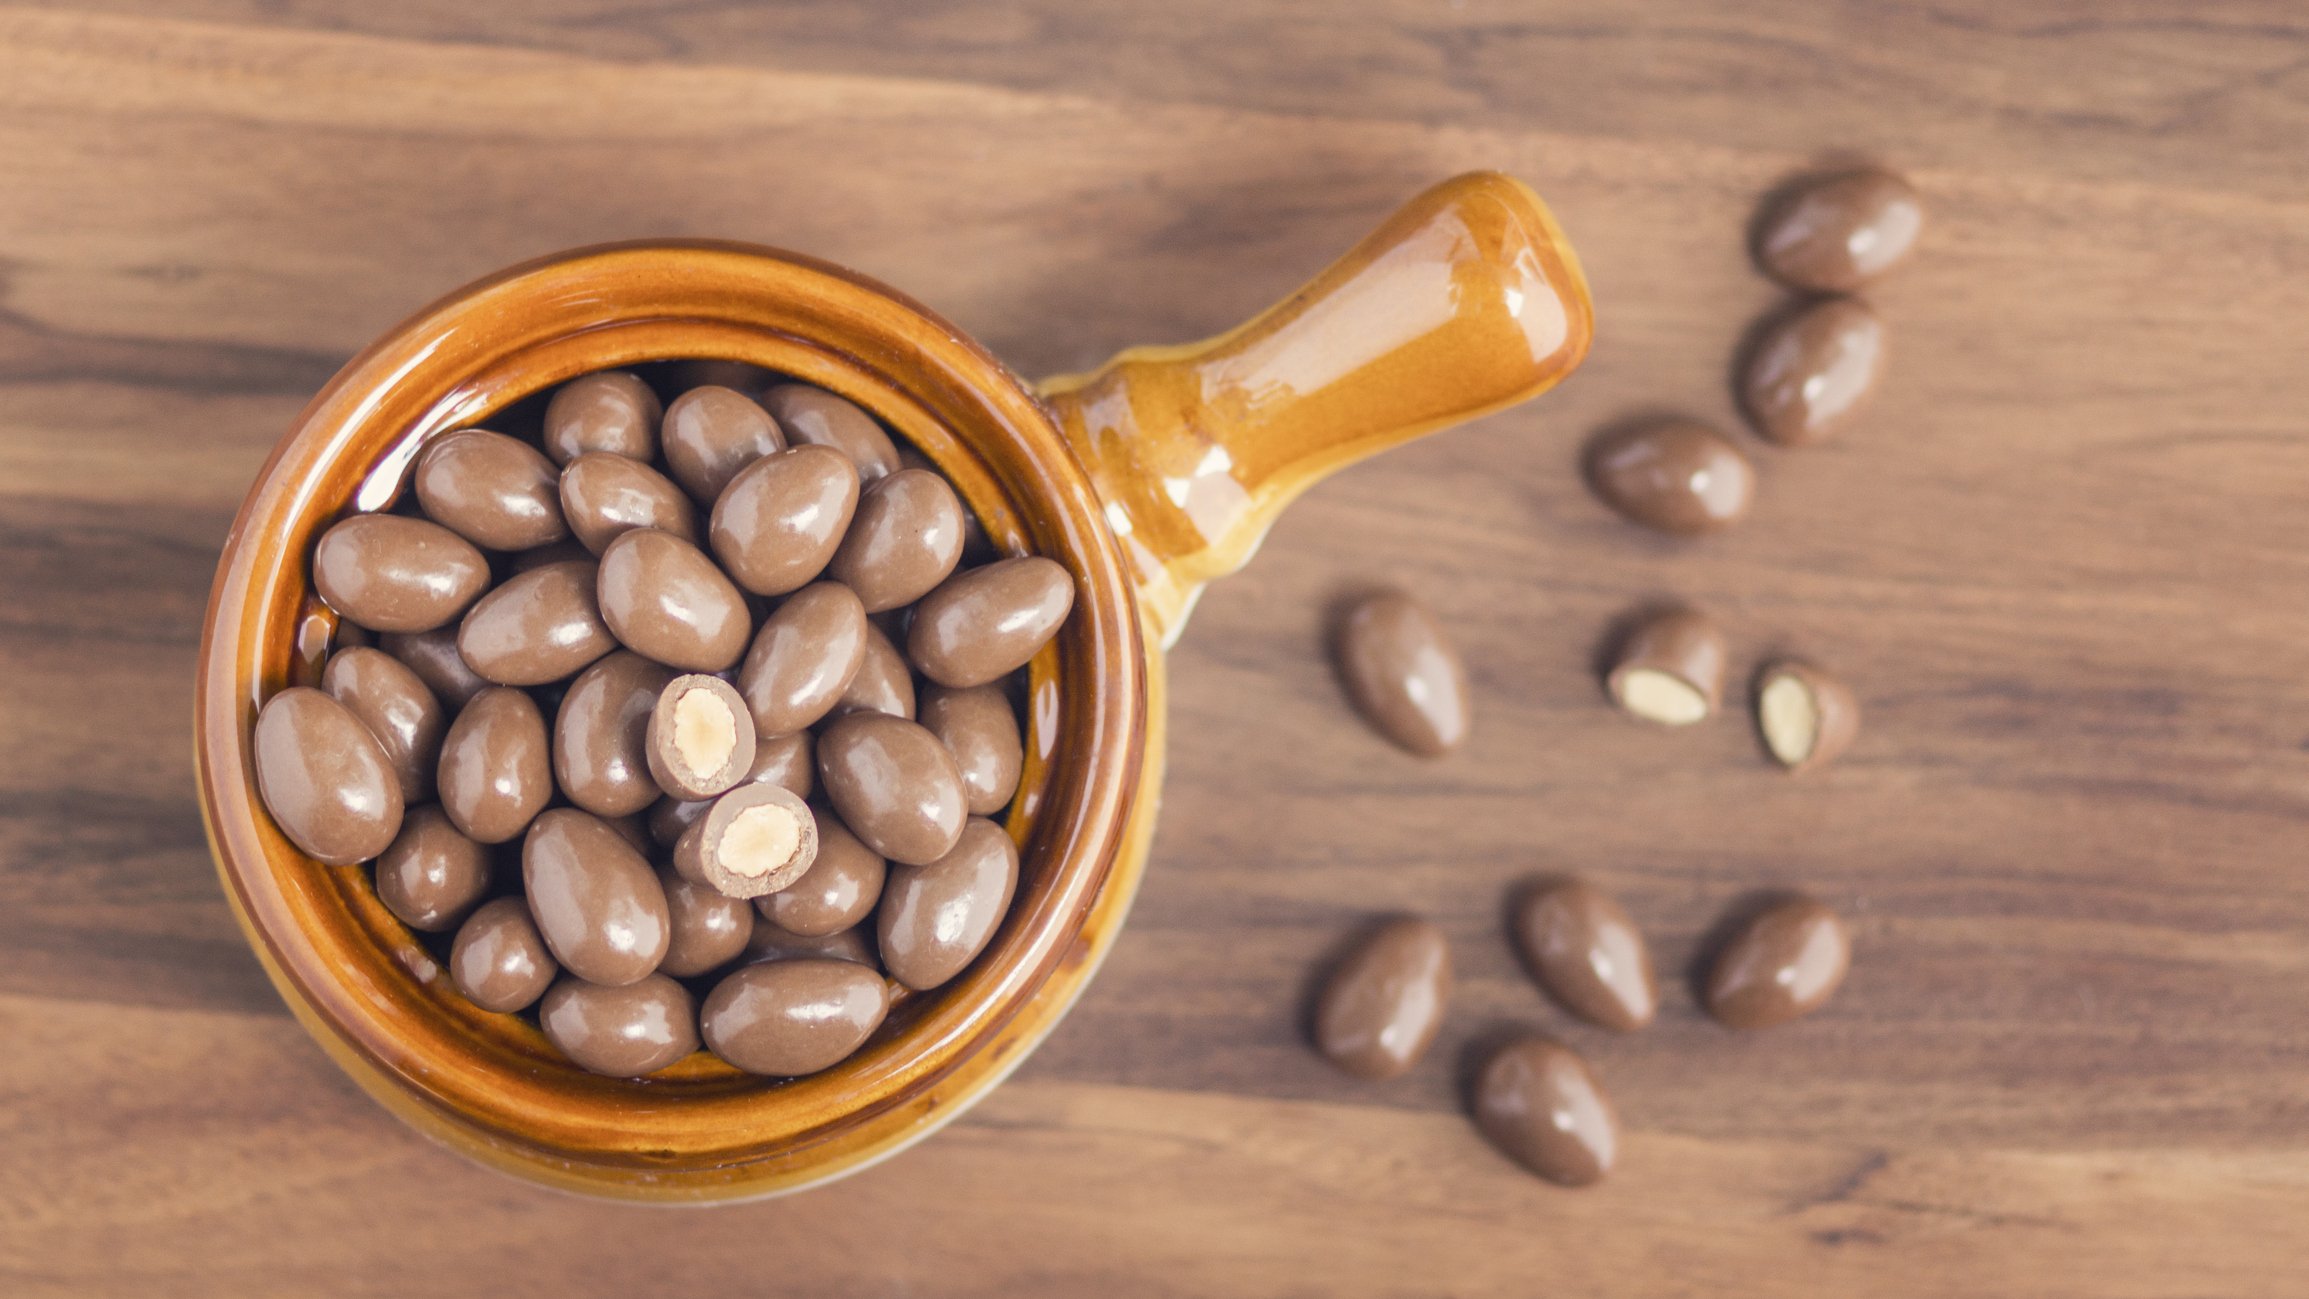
1146 478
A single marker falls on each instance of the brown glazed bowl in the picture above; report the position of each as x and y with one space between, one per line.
1146 479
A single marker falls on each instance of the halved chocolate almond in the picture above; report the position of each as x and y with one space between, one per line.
1807 715
701 737
755 840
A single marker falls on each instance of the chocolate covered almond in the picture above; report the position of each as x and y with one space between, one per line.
894 784
804 658
609 411
1785 962
325 779
601 735
596 901
663 599
536 627
839 890
1670 668
1807 715
1382 1007
936 918
1813 371
778 523
1540 1105
389 573
1403 674
495 491
496 770
622 1031
1586 953
1835 233
499 960
904 539
786 1018
979 726
811 416
756 839
1675 475
431 875
604 496
709 434
709 928
985 623
399 710
701 738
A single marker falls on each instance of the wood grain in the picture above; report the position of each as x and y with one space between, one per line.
2062 561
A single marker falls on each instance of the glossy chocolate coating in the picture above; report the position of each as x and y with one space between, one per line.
609 411
709 928
778 523
1382 1007
634 829
1585 951
433 656
497 492
325 779
496 769
771 943
601 735
1539 1104
904 540
840 889
979 726
1785 962
754 840
811 416
664 599
786 1018
623 1031
536 627
1670 668
806 655
787 761
712 432
394 703
1403 674
394 574
894 784
1807 715
701 738
670 818
500 961
604 496
884 682
431 875
1675 475
565 551
595 899
935 919
985 623
1814 371
1833 234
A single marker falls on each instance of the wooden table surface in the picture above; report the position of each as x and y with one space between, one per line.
2065 561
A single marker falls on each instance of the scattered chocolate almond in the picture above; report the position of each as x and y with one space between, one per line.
1807 715
1670 668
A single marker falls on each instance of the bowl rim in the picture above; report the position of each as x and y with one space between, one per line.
512 335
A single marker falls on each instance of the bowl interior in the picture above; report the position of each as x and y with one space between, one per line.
485 353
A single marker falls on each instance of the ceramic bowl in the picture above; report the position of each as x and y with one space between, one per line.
1146 478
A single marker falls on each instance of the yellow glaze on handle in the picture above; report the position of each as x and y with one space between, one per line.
1467 300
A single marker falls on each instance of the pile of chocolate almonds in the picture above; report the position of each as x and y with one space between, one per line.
783 719
1807 375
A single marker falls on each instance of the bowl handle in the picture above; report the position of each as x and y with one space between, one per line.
1466 300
